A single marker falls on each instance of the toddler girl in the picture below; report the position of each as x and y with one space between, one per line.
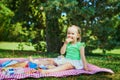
74 50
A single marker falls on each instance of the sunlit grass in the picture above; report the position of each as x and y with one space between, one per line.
14 46
114 51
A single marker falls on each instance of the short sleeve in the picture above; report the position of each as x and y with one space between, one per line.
81 44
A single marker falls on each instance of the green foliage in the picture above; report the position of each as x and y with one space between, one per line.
5 17
99 26
47 20
94 17
41 46
116 21
28 23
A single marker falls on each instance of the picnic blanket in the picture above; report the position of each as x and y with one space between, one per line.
95 69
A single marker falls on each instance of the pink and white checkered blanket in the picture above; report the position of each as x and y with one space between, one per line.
94 68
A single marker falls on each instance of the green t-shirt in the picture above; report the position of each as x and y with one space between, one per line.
73 50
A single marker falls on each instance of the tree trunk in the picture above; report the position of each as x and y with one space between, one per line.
52 35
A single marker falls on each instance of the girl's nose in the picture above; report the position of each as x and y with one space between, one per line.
68 36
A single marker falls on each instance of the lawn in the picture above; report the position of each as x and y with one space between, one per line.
110 60
14 46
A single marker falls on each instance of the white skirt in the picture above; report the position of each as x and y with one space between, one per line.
76 63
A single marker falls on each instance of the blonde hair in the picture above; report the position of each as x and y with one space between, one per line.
79 32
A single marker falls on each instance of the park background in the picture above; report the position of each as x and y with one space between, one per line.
37 28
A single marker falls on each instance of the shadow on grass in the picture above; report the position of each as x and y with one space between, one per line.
19 53
106 56
97 76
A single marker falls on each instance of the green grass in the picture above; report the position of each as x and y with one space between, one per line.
114 51
106 61
14 46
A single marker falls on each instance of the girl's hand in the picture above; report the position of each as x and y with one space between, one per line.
68 40
61 56
87 69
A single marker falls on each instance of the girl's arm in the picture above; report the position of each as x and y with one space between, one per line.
82 53
63 48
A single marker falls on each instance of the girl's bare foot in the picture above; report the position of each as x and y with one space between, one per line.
30 72
31 59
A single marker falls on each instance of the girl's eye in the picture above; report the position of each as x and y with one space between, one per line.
72 33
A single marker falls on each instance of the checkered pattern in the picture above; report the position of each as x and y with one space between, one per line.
95 69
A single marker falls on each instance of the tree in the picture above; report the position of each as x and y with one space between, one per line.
47 20
28 22
93 16
5 18
56 11
103 25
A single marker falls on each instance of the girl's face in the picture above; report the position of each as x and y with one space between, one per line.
72 33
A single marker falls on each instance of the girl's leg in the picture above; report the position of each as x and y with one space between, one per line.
63 67
44 62
51 62
20 64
